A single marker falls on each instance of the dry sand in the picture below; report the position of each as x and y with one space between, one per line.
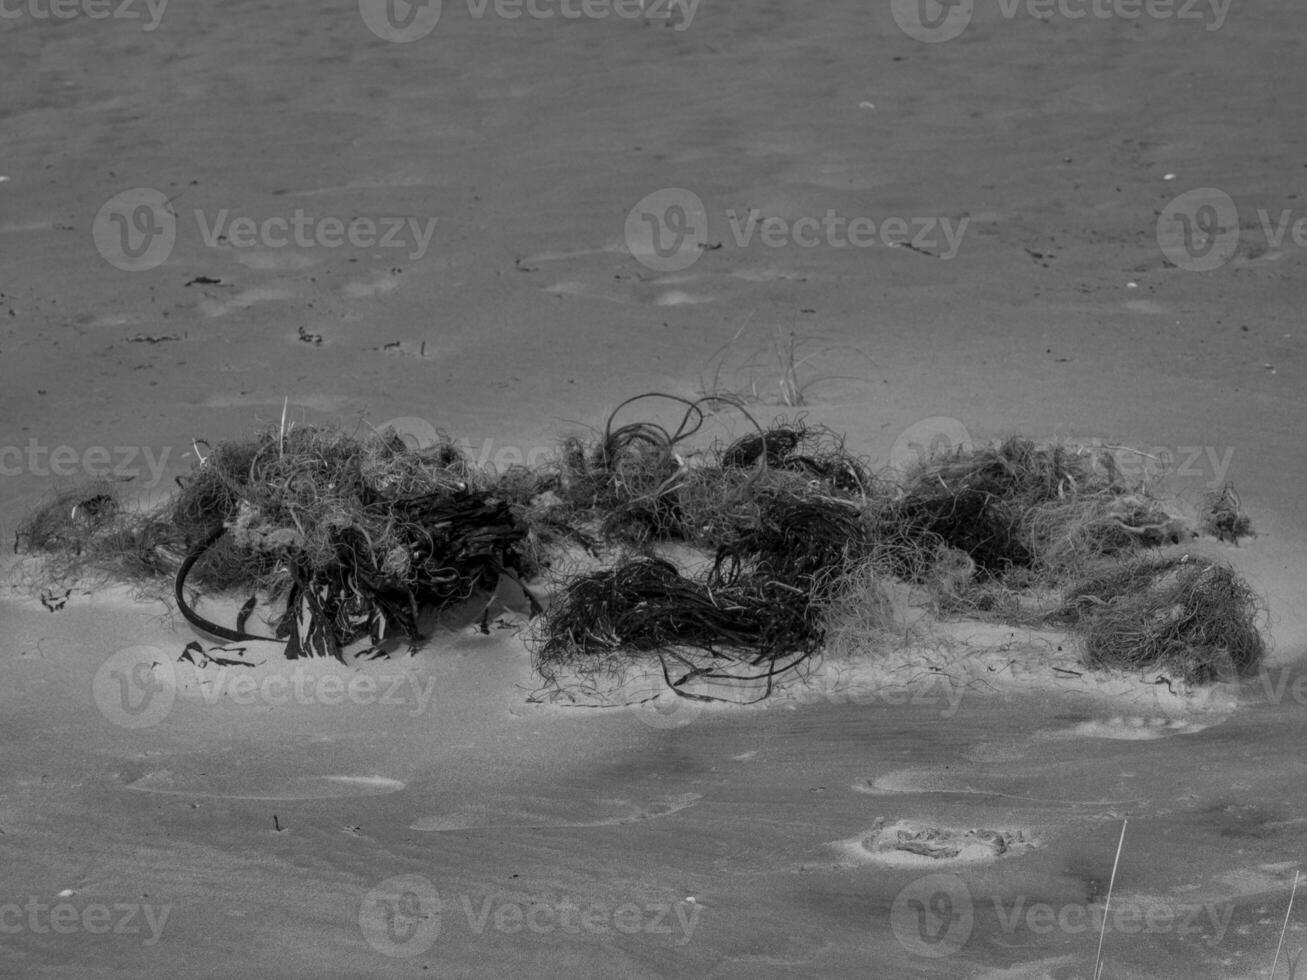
420 816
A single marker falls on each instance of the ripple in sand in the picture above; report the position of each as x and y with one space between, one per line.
1131 728
637 292
9 227
245 299
770 275
313 403
678 297
264 259
265 787
509 813
952 782
379 284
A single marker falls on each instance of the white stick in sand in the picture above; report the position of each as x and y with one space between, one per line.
1284 928
281 433
1098 957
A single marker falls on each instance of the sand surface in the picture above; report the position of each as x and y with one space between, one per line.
422 816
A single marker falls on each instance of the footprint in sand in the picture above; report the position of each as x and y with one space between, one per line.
1131 728
509 813
915 845
269 786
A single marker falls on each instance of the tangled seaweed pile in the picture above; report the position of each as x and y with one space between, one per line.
1190 616
1222 516
87 532
699 629
354 539
782 511
637 486
1018 508
806 540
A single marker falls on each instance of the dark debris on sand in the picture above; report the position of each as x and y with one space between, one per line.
352 539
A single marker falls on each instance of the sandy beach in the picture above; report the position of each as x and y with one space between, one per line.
500 220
